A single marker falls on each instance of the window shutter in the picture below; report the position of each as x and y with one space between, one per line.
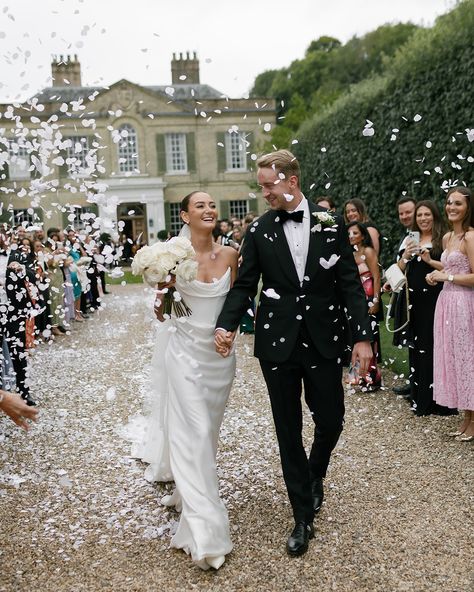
224 209
249 150
66 222
191 152
167 215
62 169
160 154
221 154
4 173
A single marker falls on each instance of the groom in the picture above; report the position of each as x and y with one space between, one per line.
309 277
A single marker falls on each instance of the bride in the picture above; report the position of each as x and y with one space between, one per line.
191 384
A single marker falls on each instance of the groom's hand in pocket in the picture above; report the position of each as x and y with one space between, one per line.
223 340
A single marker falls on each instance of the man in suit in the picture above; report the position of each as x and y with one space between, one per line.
406 213
309 277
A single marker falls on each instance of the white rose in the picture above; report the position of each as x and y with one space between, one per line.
158 248
155 274
143 259
182 245
167 260
187 270
177 249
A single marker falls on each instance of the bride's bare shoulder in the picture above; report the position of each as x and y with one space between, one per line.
228 253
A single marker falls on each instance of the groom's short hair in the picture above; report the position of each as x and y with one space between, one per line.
282 161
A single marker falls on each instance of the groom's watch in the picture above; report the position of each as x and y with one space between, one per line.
451 278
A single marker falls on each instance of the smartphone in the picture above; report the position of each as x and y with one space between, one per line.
414 236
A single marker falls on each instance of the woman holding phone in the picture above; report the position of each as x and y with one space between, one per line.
422 255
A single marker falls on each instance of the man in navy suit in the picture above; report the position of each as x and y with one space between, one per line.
311 288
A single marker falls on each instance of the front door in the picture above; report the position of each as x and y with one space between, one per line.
133 216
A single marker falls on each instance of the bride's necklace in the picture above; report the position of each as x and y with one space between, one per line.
212 254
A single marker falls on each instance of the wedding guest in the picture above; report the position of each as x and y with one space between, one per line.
326 202
226 232
354 210
406 212
104 258
237 237
29 260
75 252
55 257
369 273
39 235
93 297
43 319
418 259
17 410
4 254
19 309
248 219
453 381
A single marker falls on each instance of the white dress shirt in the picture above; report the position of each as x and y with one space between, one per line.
297 237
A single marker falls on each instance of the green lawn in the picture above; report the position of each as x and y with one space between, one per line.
128 278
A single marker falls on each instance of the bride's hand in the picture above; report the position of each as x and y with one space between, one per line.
223 341
162 289
158 309
165 286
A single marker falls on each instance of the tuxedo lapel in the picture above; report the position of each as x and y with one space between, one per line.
314 247
282 249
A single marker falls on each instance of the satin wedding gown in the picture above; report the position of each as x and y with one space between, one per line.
191 384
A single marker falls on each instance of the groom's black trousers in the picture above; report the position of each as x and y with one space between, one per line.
324 396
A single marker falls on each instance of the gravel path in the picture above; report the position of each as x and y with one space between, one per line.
76 514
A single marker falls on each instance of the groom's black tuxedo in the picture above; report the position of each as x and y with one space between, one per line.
318 303
299 337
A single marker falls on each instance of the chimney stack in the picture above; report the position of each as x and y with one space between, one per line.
66 68
185 66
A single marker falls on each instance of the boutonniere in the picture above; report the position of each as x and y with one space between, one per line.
324 220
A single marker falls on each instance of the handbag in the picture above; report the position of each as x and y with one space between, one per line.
368 285
395 277
395 295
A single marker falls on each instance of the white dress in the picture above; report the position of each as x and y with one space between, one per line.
192 384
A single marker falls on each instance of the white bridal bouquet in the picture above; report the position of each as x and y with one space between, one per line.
157 262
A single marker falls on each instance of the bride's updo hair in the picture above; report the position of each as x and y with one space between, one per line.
185 201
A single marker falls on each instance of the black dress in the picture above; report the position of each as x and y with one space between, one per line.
420 335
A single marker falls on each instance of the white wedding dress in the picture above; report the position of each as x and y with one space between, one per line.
191 384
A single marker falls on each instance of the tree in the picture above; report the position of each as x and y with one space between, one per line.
327 70
421 114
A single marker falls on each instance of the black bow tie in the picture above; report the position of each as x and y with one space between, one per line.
295 216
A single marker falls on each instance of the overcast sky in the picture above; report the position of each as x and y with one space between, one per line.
135 39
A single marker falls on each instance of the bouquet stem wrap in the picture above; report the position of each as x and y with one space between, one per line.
172 302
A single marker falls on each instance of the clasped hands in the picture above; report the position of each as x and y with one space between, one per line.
435 276
224 340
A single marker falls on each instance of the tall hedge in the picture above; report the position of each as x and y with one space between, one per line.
432 77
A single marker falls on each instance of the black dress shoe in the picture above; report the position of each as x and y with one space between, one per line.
298 540
317 491
404 390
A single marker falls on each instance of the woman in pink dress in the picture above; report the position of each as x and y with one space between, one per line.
453 384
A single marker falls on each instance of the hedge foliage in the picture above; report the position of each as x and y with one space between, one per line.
431 77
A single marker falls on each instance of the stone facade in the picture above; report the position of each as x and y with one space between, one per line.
129 153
